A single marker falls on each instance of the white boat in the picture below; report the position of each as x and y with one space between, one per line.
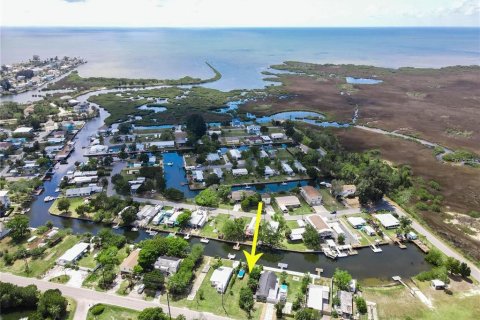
284 183
48 199
57 190
116 226
204 240
187 236
134 229
247 186
170 164
231 256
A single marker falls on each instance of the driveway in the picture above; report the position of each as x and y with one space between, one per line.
76 276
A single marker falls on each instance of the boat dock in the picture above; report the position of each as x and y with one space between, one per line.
422 246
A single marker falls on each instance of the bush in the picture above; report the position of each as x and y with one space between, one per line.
97 309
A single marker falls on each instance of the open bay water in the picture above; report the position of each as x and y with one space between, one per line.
239 54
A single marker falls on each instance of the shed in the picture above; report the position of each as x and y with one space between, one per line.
220 278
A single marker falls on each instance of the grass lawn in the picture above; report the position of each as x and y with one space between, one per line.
93 279
88 261
74 204
217 223
213 300
61 279
362 236
283 154
304 209
123 288
329 202
40 265
114 312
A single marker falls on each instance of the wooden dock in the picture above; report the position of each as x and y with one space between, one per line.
422 246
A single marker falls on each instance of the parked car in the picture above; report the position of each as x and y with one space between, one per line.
141 288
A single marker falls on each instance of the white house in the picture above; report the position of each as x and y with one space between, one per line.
269 171
218 172
235 154
369 230
277 136
287 202
240 172
311 195
287 169
220 278
317 297
73 254
320 225
356 222
299 166
82 192
161 144
4 199
168 265
198 175
297 234
387 220
198 219
253 129
212 157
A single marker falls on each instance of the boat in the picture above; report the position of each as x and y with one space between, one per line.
134 229
231 256
247 186
204 240
57 190
48 199
116 226
169 164
283 266
187 236
284 183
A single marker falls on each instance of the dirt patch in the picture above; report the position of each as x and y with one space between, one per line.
430 102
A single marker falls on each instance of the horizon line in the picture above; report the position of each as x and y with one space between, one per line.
245 27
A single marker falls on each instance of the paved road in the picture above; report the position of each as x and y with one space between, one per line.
86 298
436 241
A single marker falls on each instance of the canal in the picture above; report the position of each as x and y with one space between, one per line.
367 264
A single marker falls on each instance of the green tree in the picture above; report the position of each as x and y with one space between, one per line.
52 304
233 230
374 182
341 239
81 209
269 236
173 194
184 218
196 125
361 305
18 226
207 198
154 280
311 237
434 257
152 314
246 302
341 278
452 265
223 192
307 314
464 270
212 179
63 204
129 215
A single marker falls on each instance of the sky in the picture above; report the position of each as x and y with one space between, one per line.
240 13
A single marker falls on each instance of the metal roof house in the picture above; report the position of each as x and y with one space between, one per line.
168 265
286 202
73 254
269 288
220 278
130 262
311 195
387 220
317 221
318 297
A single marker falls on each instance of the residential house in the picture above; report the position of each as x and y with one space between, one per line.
218 172
287 169
263 154
318 297
213 157
287 202
4 199
127 265
266 139
23 131
83 192
198 218
299 166
269 288
253 129
346 303
387 220
239 195
269 171
311 195
73 254
297 234
83 107
220 278
198 175
235 154
5 146
232 140
180 138
159 144
98 149
357 222
277 136
320 225
167 265
240 172
266 198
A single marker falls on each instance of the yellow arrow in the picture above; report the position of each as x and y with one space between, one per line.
252 258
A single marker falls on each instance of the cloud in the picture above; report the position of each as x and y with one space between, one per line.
75 1
468 8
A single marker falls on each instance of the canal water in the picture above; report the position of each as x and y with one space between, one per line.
392 261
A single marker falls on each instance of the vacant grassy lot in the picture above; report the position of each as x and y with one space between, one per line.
74 204
329 202
39 266
114 312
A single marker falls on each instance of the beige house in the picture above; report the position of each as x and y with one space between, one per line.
311 195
